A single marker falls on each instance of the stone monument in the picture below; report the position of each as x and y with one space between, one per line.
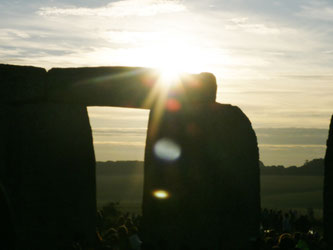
47 162
201 176
201 170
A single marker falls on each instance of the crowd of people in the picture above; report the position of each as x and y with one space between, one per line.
118 231
289 221
288 230
291 230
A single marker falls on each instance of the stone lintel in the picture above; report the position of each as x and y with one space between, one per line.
133 87
21 83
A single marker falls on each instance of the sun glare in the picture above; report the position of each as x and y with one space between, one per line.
168 76
172 58
171 55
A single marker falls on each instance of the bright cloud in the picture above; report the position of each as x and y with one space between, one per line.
119 9
289 146
121 143
13 33
244 24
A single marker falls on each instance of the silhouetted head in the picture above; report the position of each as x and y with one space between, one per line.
121 221
122 231
286 241
129 223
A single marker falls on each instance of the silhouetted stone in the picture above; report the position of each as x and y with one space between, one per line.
47 162
208 160
101 86
50 174
7 237
21 83
328 189
204 155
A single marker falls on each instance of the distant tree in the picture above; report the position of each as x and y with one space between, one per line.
315 163
313 167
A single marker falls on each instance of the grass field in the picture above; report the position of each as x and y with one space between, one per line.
279 192
124 189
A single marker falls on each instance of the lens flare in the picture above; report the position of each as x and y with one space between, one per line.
161 194
173 105
167 150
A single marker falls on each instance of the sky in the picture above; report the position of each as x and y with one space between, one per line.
273 59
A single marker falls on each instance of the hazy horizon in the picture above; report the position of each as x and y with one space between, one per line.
273 59
120 134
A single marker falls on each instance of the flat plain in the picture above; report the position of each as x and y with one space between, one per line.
277 191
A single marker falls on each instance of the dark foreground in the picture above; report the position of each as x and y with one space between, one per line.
279 230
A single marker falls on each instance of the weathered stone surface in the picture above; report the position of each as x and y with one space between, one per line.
21 83
328 189
208 165
101 86
49 168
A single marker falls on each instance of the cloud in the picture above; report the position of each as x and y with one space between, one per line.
242 23
108 117
289 146
119 131
328 51
120 143
10 52
291 137
317 10
13 33
119 9
308 76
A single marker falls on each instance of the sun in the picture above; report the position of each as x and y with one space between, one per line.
169 76
172 59
175 59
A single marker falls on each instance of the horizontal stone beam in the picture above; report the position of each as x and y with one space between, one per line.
101 86
133 87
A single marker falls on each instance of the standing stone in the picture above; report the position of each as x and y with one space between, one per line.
18 84
328 189
7 232
50 175
21 83
47 164
201 177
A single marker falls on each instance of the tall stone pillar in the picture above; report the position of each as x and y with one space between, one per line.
201 177
47 164
328 189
